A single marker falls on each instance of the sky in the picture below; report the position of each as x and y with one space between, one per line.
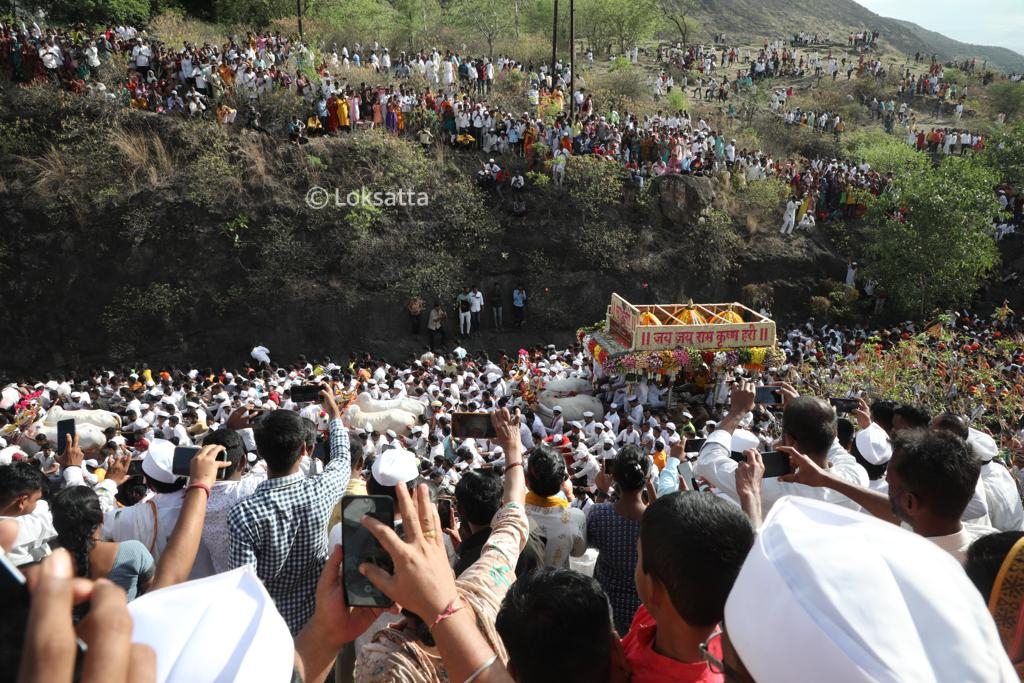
983 22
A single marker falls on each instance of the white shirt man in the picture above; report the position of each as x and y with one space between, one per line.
557 423
565 529
588 466
141 53
629 436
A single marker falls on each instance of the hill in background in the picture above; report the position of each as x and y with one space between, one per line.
759 18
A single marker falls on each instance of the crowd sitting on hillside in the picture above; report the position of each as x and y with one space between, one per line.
216 81
486 592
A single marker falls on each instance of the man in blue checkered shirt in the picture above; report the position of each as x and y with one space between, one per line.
280 530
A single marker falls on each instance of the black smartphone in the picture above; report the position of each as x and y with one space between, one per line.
320 451
306 393
768 396
776 463
14 613
472 425
845 405
361 546
14 609
181 465
694 445
444 511
135 468
65 428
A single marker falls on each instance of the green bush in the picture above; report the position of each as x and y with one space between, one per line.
104 12
929 239
885 153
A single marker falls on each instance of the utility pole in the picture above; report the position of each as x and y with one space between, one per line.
572 60
298 11
554 45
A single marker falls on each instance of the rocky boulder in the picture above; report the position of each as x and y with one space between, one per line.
682 199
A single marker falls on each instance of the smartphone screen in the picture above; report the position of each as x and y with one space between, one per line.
444 511
181 465
472 425
65 428
776 463
135 468
768 396
844 405
361 546
694 445
14 609
305 393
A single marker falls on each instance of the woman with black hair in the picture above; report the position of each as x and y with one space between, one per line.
613 529
77 517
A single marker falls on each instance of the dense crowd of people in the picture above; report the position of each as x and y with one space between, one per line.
220 81
651 526
680 529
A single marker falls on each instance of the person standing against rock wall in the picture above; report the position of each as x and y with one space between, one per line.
476 304
462 305
435 324
519 305
496 308
415 309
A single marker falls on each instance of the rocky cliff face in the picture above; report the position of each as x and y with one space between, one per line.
136 237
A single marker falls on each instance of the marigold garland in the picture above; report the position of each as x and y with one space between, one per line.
674 361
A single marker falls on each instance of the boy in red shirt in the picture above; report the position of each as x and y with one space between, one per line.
690 550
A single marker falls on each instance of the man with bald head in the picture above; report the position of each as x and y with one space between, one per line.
808 425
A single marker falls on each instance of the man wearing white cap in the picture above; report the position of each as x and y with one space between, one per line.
636 409
556 422
588 427
852 593
1004 504
152 521
808 424
931 476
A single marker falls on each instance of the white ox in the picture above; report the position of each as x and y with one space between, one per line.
572 395
90 437
369 404
572 407
381 421
570 386
104 419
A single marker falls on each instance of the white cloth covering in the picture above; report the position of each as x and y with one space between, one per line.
222 628
863 600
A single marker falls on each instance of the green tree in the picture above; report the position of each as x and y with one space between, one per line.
94 11
624 21
1004 153
595 188
357 20
252 12
416 21
491 19
929 236
680 13
1007 97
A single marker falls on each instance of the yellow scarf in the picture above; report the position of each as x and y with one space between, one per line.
541 502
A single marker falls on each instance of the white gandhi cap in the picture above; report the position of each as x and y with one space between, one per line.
863 600
394 466
157 461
